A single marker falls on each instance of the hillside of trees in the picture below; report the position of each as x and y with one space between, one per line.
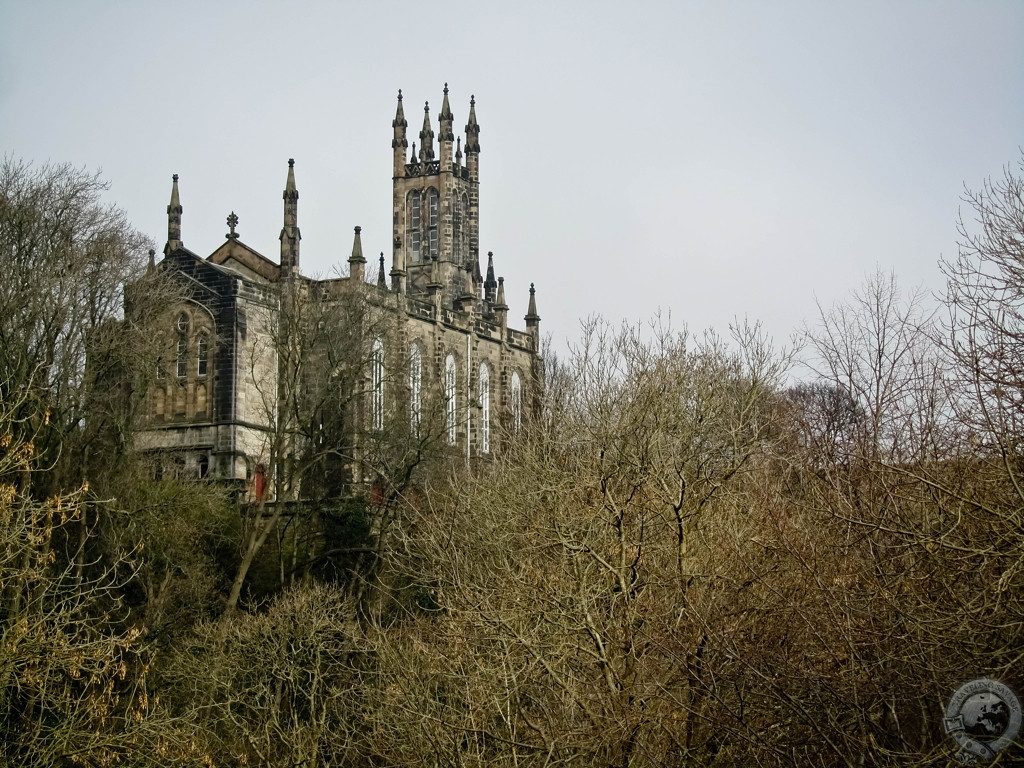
704 550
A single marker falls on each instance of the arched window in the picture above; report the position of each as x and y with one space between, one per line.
485 408
377 385
415 387
202 355
182 354
450 402
515 396
414 235
433 212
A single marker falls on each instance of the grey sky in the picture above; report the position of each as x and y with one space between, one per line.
714 159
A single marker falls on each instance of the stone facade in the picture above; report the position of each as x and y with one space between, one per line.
216 392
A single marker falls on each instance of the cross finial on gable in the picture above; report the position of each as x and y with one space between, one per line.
232 223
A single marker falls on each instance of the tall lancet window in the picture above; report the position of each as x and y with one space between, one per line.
182 356
377 385
414 235
450 404
457 253
485 408
415 387
202 355
515 396
433 212
464 230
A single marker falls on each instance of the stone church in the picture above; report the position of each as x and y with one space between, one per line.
215 398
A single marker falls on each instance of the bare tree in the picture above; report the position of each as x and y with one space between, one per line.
67 258
570 584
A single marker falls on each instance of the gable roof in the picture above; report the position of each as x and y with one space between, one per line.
234 250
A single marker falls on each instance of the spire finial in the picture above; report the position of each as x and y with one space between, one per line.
426 136
398 141
290 191
500 304
290 235
356 262
232 223
532 318
152 260
445 119
380 272
490 284
357 247
414 157
173 219
472 129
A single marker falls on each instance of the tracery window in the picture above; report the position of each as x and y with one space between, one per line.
377 385
415 387
450 403
485 408
414 236
515 394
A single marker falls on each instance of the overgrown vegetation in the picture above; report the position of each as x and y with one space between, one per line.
684 559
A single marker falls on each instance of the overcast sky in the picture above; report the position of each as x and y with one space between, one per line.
713 159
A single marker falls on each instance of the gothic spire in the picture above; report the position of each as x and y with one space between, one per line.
500 302
446 119
458 151
532 318
472 129
356 262
290 236
399 124
500 307
173 219
490 285
290 192
426 136
399 143
381 281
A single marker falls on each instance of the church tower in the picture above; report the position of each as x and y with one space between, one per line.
436 208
